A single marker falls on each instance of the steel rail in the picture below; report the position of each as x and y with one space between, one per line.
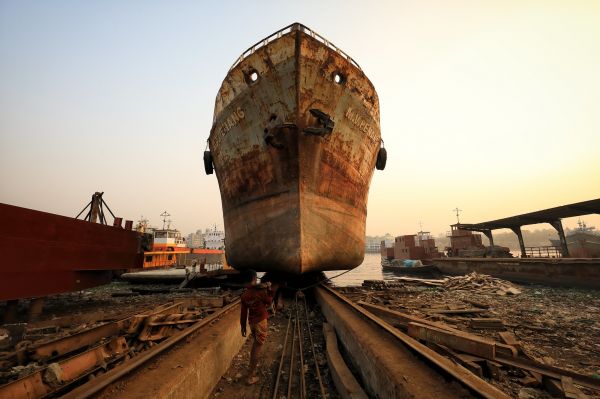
283 350
99 383
460 374
312 346
290 375
301 350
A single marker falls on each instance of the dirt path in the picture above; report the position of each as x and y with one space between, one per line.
233 383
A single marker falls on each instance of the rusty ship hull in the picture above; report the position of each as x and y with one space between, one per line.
294 143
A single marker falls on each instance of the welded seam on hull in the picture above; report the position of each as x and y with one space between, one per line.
299 136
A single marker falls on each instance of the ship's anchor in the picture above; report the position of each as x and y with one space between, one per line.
274 130
326 124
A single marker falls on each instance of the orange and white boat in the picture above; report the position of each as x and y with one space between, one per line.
167 244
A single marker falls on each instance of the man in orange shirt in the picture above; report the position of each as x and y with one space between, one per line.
255 299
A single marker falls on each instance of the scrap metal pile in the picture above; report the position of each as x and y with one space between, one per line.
542 342
481 283
50 357
474 282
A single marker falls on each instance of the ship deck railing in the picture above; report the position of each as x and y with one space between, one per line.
548 251
288 29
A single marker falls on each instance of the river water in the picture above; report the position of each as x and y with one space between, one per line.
370 269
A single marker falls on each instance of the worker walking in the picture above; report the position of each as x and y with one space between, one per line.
255 299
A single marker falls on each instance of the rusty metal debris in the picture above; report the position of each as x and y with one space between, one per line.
521 330
424 353
54 365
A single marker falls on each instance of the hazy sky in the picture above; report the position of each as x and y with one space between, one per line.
491 106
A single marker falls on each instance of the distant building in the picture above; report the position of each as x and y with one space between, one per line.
195 240
372 244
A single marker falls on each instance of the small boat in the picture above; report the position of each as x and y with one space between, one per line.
407 266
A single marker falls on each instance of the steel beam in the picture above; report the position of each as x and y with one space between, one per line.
519 233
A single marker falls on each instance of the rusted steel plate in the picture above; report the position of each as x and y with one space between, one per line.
45 254
295 202
466 344
104 380
549 371
482 388
58 375
62 346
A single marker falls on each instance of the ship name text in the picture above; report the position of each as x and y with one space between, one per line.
362 124
229 123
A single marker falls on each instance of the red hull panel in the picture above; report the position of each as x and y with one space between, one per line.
44 254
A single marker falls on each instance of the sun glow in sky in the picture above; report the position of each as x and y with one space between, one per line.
493 106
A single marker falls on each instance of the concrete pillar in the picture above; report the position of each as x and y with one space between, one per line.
519 233
557 224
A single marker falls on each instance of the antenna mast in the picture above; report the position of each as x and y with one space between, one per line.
458 211
165 215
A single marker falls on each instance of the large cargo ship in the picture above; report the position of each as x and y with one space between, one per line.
294 142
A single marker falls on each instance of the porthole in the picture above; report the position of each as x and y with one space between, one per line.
338 78
252 76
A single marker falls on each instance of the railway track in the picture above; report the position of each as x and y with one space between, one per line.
392 364
297 362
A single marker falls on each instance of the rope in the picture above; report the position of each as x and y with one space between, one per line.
325 279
